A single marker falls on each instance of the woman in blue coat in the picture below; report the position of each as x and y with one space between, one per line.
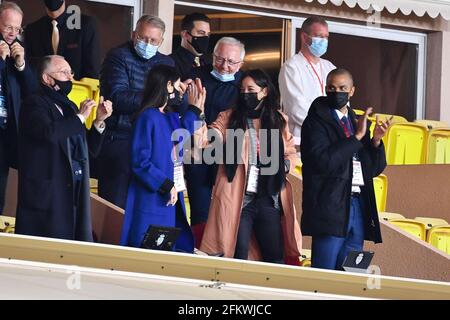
153 198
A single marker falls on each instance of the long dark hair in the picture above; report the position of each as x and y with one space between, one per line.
155 91
270 117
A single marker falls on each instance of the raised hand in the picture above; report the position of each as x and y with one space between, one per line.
18 53
362 124
86 107
4 50
380 129
104 110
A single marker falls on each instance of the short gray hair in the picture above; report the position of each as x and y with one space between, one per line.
153 21
231 41
5 5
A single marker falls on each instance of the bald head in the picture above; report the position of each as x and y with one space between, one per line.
342 74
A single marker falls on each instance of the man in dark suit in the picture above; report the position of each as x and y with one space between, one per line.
195 32
73 37
16 81
54 195
340 160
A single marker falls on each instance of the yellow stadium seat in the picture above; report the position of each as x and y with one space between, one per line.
298 168
431 222
438 146
433 124
94 83
93 183
380 185
358 112
7 224
439 237
414 227
305 258
80 92
386 216
406 143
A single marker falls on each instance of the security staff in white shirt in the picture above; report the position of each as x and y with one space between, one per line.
303 77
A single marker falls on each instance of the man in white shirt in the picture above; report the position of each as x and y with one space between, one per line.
303 77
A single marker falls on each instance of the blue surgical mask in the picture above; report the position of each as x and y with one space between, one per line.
318 46
226 77
145 50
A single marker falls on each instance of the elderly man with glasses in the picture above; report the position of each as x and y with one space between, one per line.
54 195
16 81
222 81
122 80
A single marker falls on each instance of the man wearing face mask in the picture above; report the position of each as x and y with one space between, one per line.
302 77
122 80
194 44
54 194
221 81
16 82
340 160
58 33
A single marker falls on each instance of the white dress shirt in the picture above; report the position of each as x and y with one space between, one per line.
300 84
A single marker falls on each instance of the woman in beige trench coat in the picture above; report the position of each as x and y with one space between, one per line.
259 102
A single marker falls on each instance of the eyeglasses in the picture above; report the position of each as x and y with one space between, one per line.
10 29
153 42
67 73
220 60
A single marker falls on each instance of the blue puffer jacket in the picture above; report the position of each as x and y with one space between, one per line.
122 80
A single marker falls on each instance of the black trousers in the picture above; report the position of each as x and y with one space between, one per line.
261 217
113 170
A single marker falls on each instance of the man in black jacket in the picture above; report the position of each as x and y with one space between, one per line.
195 32
74 37
339 161
54 196
16 82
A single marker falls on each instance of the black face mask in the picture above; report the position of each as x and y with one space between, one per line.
62 87
174 99
53 5
249 100
200 44
337 100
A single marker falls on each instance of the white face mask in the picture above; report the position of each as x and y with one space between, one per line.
225 77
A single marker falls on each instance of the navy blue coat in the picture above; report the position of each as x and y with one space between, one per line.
122 80
327 174
152 178
200 178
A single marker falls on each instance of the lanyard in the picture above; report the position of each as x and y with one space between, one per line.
317 75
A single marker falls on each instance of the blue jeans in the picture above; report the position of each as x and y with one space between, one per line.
329 252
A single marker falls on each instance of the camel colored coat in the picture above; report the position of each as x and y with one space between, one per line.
227 198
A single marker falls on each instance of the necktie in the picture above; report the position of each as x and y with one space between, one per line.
55 37
197 61
346 126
